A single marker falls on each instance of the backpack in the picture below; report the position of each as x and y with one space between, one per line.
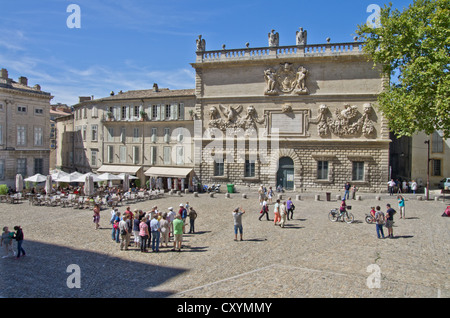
183 213
380 218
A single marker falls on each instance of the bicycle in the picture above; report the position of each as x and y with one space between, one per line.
338 215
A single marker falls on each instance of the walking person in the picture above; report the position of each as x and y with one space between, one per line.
192 217
379 219
6 241
276 212
178 225
96 216
283 214
390 220
123 230
264 210
347 187
290 209
401 206
19 238
144 234
155 228
237 216
391 186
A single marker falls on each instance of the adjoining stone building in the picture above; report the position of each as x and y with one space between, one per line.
24 129
313 106
141 132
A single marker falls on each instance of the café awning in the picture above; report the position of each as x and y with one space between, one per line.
168 172
132 170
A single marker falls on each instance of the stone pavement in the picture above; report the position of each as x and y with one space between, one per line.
310 257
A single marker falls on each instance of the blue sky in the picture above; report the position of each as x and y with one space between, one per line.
127 45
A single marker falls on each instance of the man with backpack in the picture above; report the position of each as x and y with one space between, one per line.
380 219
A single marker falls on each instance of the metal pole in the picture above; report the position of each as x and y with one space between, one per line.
428 169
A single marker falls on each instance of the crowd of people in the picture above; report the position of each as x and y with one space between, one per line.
152 229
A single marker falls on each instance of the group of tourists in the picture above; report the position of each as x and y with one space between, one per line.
7 242
152 229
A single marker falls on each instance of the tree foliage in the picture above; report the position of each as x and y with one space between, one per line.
413 48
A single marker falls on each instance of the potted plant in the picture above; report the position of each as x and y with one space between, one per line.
191 113
143 115
110 116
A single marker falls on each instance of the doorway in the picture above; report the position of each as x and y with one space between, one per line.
285 174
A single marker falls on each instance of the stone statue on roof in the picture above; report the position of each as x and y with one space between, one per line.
274 38
201 44
301 36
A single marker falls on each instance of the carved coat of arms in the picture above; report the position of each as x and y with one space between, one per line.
286 80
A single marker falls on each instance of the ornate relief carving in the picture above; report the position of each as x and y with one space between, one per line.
286 80
344 124
232 119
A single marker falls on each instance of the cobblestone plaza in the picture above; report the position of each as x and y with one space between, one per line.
310 257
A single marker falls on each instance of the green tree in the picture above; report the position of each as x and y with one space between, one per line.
413 49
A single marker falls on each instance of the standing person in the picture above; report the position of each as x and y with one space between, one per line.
347 187
264 210
414 186
270 195
283 213
276 212
354 189
165 229
183 213
379 219
6 241
96 216
192 217
290 208
401 206
123 229
19 238
390 220
136 222
237 216
115 232
144 234
170 217
178 225
155 228
391 186
261 194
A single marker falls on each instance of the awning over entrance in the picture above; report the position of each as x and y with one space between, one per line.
132 170
168 172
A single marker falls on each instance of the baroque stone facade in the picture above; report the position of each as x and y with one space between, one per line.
300 116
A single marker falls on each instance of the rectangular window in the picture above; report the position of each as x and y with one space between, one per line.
154 134
1 135
21 135
84 132
2 169
167 155
94 158
136 112
122 134
39 165
218 168
135 134
110 134
135 154
22 109
167 135
22 166
322 170
154 112
123 154
153 153
180 155
94 130
38 137
110 154
436 167
124 113
168 111
38 111
249 168
437 143
358 171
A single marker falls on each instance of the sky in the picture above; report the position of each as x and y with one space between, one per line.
131 44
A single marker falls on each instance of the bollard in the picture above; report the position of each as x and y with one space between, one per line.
244 196
378 198
227 195
298 197
317 197
171 192
186 191
211 195
179 193
195 194
419 198
338 197
358 198
280 197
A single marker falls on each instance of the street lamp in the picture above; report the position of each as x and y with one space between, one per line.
428 167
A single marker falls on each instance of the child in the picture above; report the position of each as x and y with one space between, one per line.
6 240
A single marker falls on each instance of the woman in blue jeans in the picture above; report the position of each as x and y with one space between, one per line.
19 238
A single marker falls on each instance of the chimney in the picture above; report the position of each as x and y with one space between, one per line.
23 80
155 87
84 98
4 73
